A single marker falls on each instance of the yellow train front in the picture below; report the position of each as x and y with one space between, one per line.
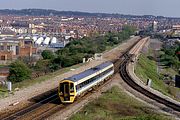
75 85
67 92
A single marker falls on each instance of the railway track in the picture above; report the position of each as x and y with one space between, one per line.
50 105
127 78
47 107
23 112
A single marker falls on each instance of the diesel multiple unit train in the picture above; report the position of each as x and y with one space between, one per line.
78 84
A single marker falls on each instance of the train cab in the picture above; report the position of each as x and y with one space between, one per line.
67 91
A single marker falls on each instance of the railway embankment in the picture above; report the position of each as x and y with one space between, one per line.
137 80
117 104
23 95
101 106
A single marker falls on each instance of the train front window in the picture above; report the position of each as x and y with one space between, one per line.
71 87
66 88
61 87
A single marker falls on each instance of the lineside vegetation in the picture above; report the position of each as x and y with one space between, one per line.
146 68
117 105
72 54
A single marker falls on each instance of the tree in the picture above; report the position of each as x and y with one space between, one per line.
28 60
47 54
170 56
67 61
178 52
43 66
19 72
76 50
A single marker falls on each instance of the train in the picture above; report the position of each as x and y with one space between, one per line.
72 87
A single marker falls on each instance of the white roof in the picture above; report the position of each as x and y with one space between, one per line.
54 40
46 41
39 40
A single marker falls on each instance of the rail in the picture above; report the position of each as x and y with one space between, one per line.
127 78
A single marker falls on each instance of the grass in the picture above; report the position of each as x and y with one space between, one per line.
117 105
27 83
147 69
3 65
3 92
30 82
108 48
40 79
170 71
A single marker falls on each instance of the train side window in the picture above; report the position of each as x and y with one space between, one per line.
77 87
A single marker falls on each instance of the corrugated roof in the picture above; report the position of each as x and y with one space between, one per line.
88 72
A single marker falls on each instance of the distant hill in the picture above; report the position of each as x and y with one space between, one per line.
48 12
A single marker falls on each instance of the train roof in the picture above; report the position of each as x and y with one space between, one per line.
89 72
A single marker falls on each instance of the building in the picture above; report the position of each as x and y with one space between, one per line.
176 27
14 47
8 49
4 73
176 30
59 44
155 26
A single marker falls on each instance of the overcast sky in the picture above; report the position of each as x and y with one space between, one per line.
137 7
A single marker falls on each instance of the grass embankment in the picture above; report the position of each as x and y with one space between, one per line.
40 79
49 76
117 105
147 69
30 82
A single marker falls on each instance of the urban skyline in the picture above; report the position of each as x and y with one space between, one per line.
138 7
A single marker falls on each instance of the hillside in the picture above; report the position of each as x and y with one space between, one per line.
47 12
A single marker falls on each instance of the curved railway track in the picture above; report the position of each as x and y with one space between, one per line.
50 105
127 78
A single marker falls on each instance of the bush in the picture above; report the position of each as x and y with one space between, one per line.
47 54
19 71
76 50
43 66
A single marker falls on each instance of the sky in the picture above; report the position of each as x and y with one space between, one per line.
169 8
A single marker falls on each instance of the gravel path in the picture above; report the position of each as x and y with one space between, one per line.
23 95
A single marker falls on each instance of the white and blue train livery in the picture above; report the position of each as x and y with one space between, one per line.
75 85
